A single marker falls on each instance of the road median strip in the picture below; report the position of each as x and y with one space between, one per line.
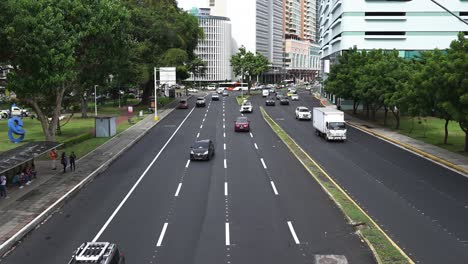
385 250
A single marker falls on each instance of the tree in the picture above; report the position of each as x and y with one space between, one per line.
456 78
46 37
197 67
247 65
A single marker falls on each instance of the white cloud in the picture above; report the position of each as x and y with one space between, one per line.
188 4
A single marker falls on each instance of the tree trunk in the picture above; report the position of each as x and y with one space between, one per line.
84 107
355 106
446 131
147 92
367 111
385 116
466 141
396 114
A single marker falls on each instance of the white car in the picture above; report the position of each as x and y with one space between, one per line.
294 97
265 92
211 87
16 111
303 112
192 90
246 107
220 90
4 114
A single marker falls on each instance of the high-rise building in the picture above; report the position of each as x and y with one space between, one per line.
407 26
257 25
215 48
301 58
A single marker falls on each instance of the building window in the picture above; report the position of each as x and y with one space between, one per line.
385 33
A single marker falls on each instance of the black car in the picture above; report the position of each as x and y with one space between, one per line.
284 101
104 252
270 102
202 150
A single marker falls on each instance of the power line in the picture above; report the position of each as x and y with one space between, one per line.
453 14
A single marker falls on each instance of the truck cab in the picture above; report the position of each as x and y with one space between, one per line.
329 123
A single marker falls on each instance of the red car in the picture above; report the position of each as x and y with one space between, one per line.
242 124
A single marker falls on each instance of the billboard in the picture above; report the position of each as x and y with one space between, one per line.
167 78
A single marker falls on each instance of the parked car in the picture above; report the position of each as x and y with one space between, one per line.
284 101
214 97
183 104
225 93
98 252
303 112
246 107
270 102
16 111
242 124
4 114
202 150
200 102
295 97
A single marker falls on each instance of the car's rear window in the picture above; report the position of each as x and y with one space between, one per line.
241 120
199 144
183 101
200 98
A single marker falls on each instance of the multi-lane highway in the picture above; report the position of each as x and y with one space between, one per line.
252 203
421 205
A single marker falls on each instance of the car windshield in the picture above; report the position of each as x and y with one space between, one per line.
200 145
247 103
303 110
183 101
336 125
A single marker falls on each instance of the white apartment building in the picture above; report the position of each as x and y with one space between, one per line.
256 24
409 26
215 48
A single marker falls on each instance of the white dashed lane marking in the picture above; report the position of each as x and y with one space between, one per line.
198 135
161 236
188 163
224 146
225 164
225 189
251 135
263 163
274 188
228 240
255 144
291 228
178 190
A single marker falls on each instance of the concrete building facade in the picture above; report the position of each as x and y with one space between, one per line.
215 48
407 26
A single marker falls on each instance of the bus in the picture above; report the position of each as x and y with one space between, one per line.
233 86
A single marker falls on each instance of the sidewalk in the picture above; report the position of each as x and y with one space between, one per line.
447 158
28 207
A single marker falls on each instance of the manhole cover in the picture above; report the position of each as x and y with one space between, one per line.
330 259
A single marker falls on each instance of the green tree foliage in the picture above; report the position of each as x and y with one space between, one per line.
50 43
456 76
156 27
248 65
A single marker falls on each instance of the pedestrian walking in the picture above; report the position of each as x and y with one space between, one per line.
3 181
53 157
64 161
72 159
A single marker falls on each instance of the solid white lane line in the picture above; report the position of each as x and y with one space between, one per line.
198 135
224 146
228 240
161 236
263 163
103 228
225 164
255 144
225 189
178 190
187 164
251 135
291 228
274 188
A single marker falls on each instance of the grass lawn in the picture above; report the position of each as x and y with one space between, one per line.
241 99
427 129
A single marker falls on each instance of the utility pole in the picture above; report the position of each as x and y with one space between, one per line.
95 100
156 118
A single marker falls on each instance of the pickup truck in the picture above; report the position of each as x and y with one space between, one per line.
16 111
329 123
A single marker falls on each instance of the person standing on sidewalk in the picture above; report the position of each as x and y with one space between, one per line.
53 157
64 161
72 159
3 181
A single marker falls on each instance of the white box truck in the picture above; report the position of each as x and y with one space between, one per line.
329 123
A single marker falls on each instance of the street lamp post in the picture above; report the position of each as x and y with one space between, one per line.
156 118
95 100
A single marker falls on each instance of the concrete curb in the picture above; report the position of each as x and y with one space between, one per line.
9 245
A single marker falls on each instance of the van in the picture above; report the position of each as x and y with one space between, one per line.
265 92
211 87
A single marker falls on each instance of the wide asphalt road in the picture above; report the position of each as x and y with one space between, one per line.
421 205
252 203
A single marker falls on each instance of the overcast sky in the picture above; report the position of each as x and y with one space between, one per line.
187 4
